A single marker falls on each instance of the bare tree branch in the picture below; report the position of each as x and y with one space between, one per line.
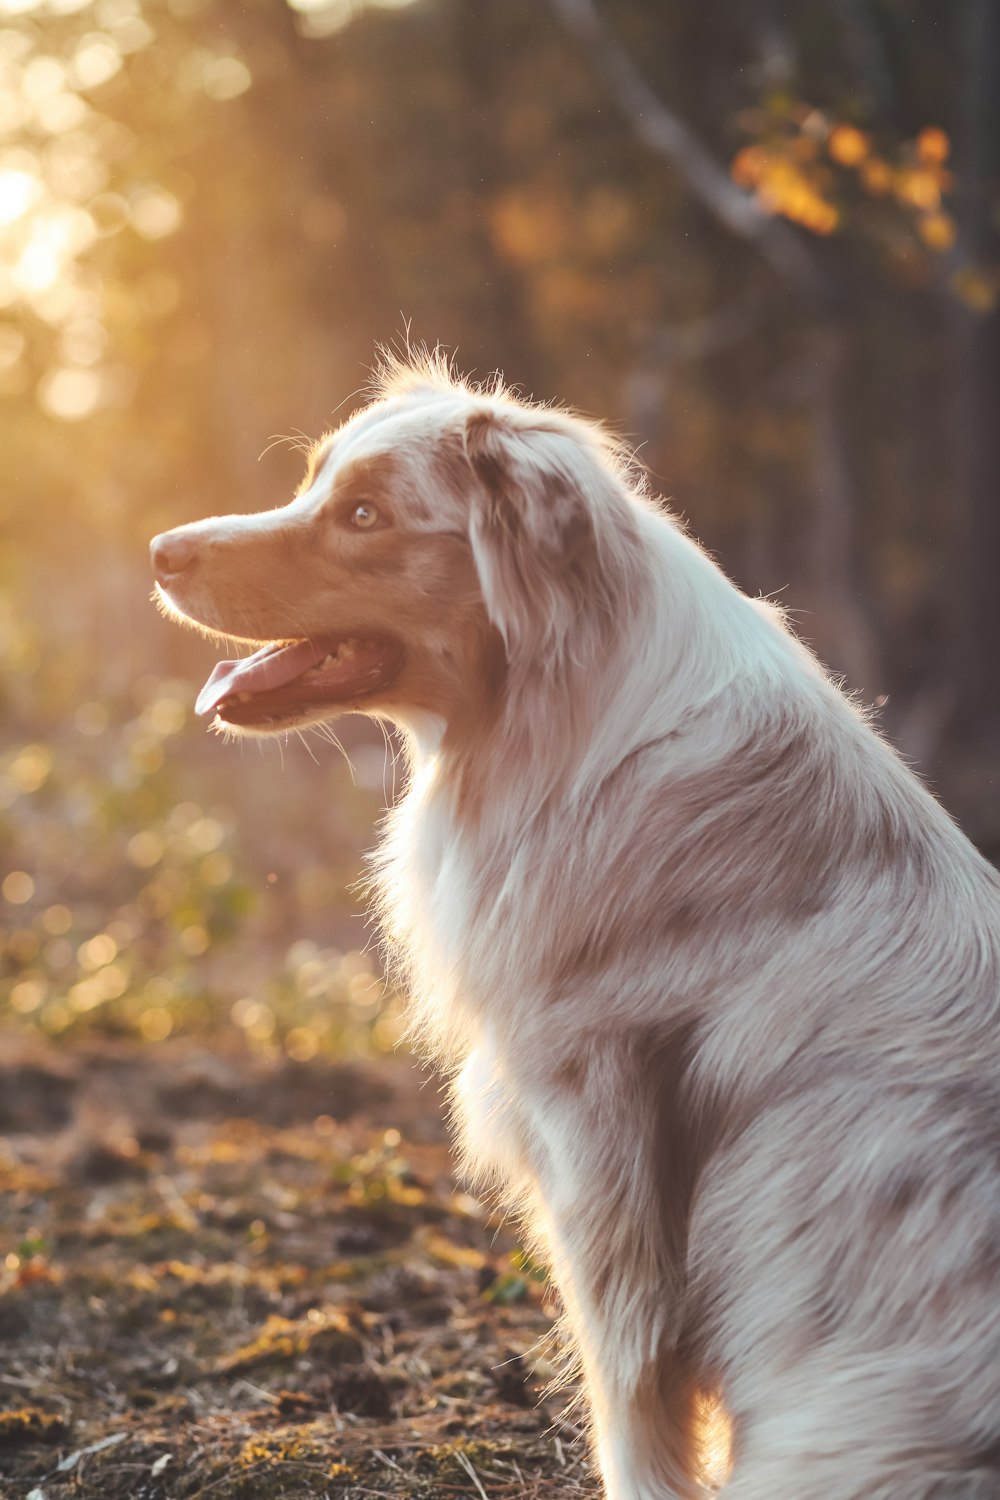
673 139
698 338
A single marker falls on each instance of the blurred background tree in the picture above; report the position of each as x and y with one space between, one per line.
763 244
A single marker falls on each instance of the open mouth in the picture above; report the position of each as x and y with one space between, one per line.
289 681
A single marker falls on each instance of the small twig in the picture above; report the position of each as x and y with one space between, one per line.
466 1463
384 1458
675 141
256 1390
74 1458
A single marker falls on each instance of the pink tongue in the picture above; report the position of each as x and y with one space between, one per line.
265 670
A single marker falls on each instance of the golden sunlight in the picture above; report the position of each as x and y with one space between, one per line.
55 202
18 191
69 394
324 17
714 1437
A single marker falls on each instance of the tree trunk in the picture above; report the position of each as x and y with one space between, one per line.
843 617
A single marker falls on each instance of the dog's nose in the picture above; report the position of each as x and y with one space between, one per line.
171 552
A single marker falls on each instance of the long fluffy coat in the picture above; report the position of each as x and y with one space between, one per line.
715 978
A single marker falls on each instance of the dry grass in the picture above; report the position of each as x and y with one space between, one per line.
200 1302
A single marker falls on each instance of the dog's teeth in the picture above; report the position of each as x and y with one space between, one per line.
345 651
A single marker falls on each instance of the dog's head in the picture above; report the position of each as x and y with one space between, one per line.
444 543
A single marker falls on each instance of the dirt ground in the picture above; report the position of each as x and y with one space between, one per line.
226 1277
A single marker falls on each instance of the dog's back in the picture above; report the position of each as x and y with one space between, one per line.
723 1002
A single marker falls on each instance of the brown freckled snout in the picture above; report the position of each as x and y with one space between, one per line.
172 552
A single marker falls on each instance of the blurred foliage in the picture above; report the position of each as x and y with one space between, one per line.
210 211
789 175
242 198
115 888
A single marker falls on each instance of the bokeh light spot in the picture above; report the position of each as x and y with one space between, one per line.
18 191
18 887
27 996
847 145
144 849
97 951
155 213
206 834
225 78
97 58
301 1044
60 113
69 394
43 77
938 230
193 940
933 145
156 1023
167 715
19 7
30 768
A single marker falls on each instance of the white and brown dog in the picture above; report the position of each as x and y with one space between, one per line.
717 981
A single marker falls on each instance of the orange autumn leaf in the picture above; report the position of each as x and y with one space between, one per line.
937 230
933 145
876 176
748 166
847 145
919 187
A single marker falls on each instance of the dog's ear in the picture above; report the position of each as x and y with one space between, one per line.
534 528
